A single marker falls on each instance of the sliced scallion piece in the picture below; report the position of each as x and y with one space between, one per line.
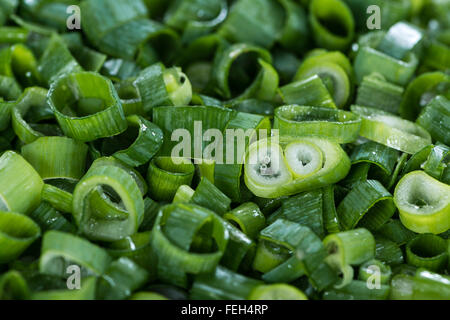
423 203
427 251
392 131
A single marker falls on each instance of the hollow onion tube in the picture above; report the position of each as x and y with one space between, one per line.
57 157
335 125
376 92
187 239
267 171
307 92
423 203
277 292
17 232
248 217
158 86
165 176
436 119
427 251
232 62
57 60
367 205
437 162
86 106
349 248
85 202
334 69
145 143
33 100
21 185
253 21
126 28
332 24
60 250
391 131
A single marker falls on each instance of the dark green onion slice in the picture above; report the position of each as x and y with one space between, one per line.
13 286
159 86
21 185
57 60
33 100
187 239
427 251
209 196
392 131
423 203
330 217
305 209
17 233
395 231
369 60
388 251
254 21
230 69
332 24
436 119
421 91
59 199
437 56
165 175
248 217
374 153
367 205
87 106
57 157
336 125
60 250
49 219
295 34
376 92
308 92
240 250
145 143
124 28
437 162
239 133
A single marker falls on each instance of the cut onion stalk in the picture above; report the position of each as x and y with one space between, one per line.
303 159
